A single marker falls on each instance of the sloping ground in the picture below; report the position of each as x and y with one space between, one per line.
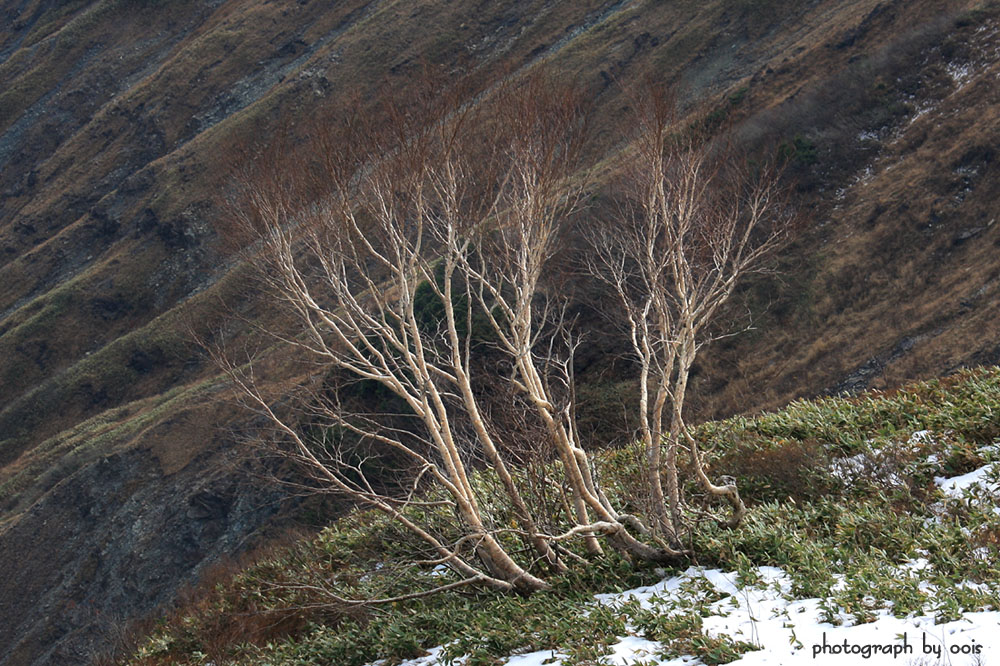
115 117
902 270
872 517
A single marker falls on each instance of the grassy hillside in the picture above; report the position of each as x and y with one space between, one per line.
842 489
116 119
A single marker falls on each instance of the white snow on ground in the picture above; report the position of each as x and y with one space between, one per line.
793 632
956 486
431 659
630 648
790 632
846 468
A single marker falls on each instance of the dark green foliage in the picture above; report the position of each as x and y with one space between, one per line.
799 150
682 634
429 310
717 118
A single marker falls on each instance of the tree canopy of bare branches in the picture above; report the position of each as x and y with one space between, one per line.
697 218
398 247
407 246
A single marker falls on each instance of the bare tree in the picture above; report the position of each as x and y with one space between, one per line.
389 238
508 291
698 219
386 218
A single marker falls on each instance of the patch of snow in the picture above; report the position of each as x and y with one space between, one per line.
864 465
630 648
432 658
846 469
922 110
665 587
794 632
865 176
959 73
957 485
534 658
790 631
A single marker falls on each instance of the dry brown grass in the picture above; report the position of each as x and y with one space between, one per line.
885 261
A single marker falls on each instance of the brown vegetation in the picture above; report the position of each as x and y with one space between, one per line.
116 122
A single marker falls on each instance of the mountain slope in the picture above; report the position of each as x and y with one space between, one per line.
116 444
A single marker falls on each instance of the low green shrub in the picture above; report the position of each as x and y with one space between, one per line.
873 532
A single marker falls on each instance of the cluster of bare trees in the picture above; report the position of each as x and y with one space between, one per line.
410 244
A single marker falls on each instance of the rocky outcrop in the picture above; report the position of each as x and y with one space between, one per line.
112 542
